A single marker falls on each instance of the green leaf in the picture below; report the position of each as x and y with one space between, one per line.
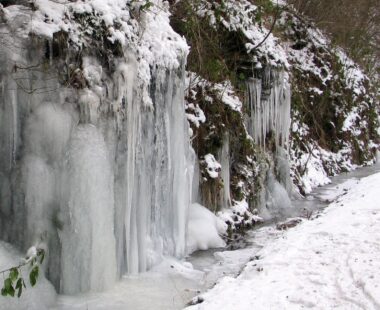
146 6
42 257
4 292
33 276
11 291
8 287
7 283
13 274
19 292
19 283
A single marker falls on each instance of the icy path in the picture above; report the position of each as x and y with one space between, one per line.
331 262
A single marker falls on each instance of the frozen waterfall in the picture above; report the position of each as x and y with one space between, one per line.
268 122
100 178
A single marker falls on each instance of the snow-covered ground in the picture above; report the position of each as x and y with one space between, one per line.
330 262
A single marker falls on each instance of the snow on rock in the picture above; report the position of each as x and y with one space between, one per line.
331 262
204 229
314 173
240 214
146 32
196 116
212 166
228 96
354 76
222 91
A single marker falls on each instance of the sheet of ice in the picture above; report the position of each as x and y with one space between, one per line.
329 262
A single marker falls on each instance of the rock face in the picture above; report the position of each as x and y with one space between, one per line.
279 64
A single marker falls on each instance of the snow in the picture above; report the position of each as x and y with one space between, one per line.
325 263
239 212
204 229
167 286
240 16
212 166
354 76
196 116
349 123
228 96
314 173
223 91
146 32
31 253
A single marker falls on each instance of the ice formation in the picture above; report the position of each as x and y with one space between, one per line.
101 172
224 156
108 203
269 107
268 122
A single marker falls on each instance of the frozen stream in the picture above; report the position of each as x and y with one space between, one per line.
172 284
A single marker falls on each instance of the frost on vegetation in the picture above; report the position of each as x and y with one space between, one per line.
313 168
199 89
244 17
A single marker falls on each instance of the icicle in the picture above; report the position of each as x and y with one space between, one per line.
14 131
50 52
269 107
225 173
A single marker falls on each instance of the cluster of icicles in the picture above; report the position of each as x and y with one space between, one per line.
268 103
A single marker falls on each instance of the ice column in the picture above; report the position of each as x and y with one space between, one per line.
155 172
